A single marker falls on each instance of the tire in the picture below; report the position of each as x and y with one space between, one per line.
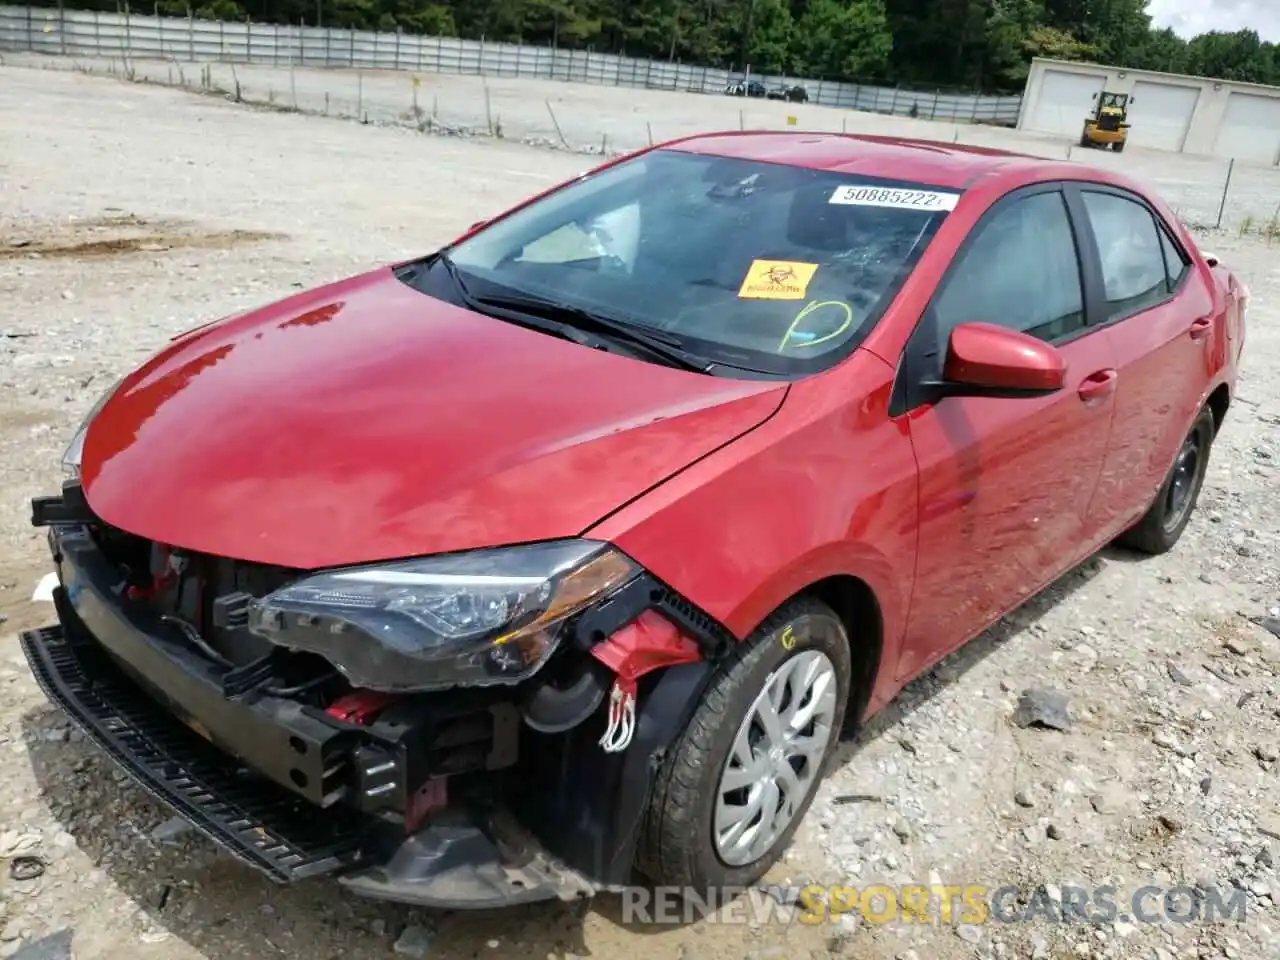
1119 146
1162 525
678 845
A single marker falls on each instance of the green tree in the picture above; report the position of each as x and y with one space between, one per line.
1116 28
1009 29
1058 44
202 9
941 43
843 39
769 42
1232 56
1161 50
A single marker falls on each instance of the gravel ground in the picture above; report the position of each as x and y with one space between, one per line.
130 212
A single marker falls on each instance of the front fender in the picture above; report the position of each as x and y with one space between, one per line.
842 559
826 487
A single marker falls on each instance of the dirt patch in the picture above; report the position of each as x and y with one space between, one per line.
124 234
22 418
18 611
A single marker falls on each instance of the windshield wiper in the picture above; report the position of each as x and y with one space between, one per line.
566 321
660 345
476 304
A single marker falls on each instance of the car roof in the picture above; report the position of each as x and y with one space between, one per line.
898 158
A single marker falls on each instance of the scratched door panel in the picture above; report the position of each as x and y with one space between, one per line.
1005 487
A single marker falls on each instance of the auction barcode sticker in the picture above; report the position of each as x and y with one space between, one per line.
902 199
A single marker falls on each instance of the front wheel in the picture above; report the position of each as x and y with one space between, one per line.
736 784
1162 525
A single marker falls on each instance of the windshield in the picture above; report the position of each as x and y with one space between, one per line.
758 266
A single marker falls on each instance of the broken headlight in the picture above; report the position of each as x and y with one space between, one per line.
75 449
468 619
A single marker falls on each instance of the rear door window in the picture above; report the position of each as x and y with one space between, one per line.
1134 269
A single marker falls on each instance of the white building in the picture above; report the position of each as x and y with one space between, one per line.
1167 111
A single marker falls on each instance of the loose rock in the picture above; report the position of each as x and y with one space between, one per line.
1040 707
414 941
56 946
172 830
1239 647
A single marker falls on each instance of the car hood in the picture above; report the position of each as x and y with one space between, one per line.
365 421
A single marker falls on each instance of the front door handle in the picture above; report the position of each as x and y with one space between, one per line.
1201 328
1098 385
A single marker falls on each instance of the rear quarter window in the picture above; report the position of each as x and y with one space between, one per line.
1176 264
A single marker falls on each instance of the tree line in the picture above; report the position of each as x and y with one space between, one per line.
926 44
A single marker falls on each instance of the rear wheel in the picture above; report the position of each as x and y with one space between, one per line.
735 786
1119 146
1163 523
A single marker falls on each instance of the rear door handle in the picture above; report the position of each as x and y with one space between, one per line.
1201 328
1098 385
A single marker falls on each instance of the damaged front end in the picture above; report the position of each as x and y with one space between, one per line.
464 731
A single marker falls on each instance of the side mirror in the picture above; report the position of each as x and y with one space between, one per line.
985 360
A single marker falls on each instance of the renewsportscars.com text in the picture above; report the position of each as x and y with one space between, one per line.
975 904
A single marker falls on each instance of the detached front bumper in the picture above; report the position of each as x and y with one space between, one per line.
160 715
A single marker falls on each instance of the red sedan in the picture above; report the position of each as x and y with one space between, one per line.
561 556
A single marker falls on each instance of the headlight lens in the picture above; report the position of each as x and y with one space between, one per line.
72 456
471 619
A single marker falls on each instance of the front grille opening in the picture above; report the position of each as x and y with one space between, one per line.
183 589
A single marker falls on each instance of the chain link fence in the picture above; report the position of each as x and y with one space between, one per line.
125 36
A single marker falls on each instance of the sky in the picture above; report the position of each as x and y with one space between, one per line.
1191 17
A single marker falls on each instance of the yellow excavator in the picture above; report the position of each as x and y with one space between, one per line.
1107 125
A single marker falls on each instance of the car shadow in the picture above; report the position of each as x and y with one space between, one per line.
952 668
1122 554
190 890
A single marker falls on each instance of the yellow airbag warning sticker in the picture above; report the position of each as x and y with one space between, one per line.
777 280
